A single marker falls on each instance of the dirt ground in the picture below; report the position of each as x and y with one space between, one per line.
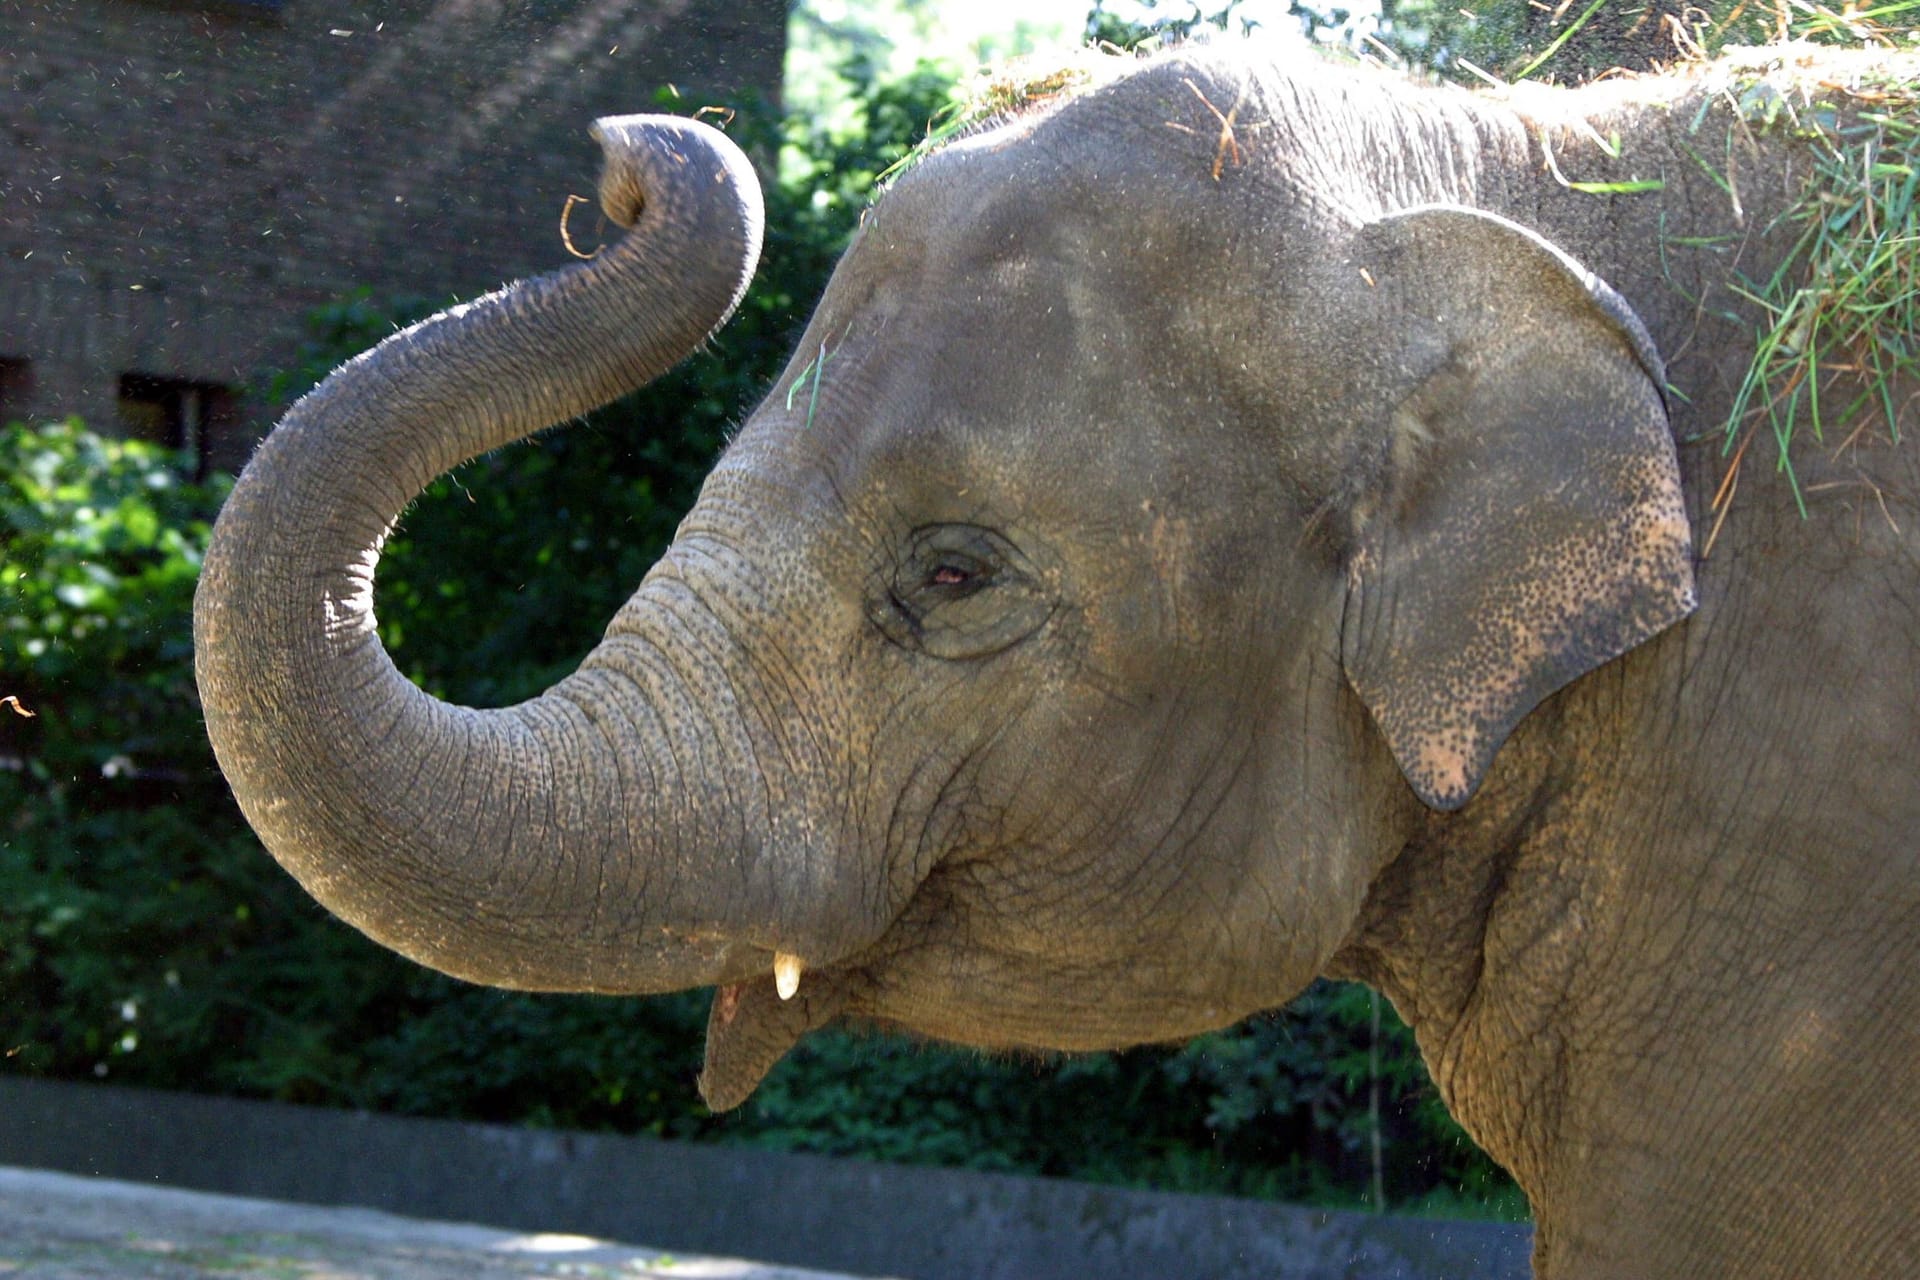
57 1227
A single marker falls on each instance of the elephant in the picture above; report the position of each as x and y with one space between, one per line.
1243 519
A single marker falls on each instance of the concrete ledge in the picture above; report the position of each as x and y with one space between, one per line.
58 1226
809 1211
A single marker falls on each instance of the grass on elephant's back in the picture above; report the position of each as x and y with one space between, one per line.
1844 304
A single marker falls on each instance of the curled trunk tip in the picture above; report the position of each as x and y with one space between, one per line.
497 871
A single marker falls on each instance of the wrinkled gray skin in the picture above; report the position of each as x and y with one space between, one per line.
1204 566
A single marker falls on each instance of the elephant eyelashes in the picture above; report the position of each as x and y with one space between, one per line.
959 591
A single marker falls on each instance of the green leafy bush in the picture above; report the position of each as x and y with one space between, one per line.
106 862
147 939
99 549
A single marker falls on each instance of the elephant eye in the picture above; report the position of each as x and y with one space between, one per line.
959 591
952 575
955 567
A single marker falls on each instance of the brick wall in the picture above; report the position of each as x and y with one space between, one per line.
182 183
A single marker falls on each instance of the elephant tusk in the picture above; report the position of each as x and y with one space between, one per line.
786 974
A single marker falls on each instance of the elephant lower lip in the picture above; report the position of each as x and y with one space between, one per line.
752 1026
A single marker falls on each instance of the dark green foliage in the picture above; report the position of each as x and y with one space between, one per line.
99 549
1279 1106
145 938
108 786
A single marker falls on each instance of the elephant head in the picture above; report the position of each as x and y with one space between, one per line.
1136 550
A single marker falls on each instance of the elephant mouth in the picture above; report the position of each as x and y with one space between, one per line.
755 1022
757 1019
772 999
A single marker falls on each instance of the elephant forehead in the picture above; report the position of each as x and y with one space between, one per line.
1093 177
1025 332
975 329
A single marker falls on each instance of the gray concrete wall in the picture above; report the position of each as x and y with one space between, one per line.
925 1224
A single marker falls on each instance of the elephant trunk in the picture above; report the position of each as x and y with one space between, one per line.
541 846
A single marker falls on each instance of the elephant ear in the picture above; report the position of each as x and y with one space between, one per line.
1523 521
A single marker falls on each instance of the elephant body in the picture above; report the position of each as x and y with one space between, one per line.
1239 522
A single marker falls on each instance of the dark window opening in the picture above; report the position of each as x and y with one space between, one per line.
237 8
178 413
16 388
267 9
